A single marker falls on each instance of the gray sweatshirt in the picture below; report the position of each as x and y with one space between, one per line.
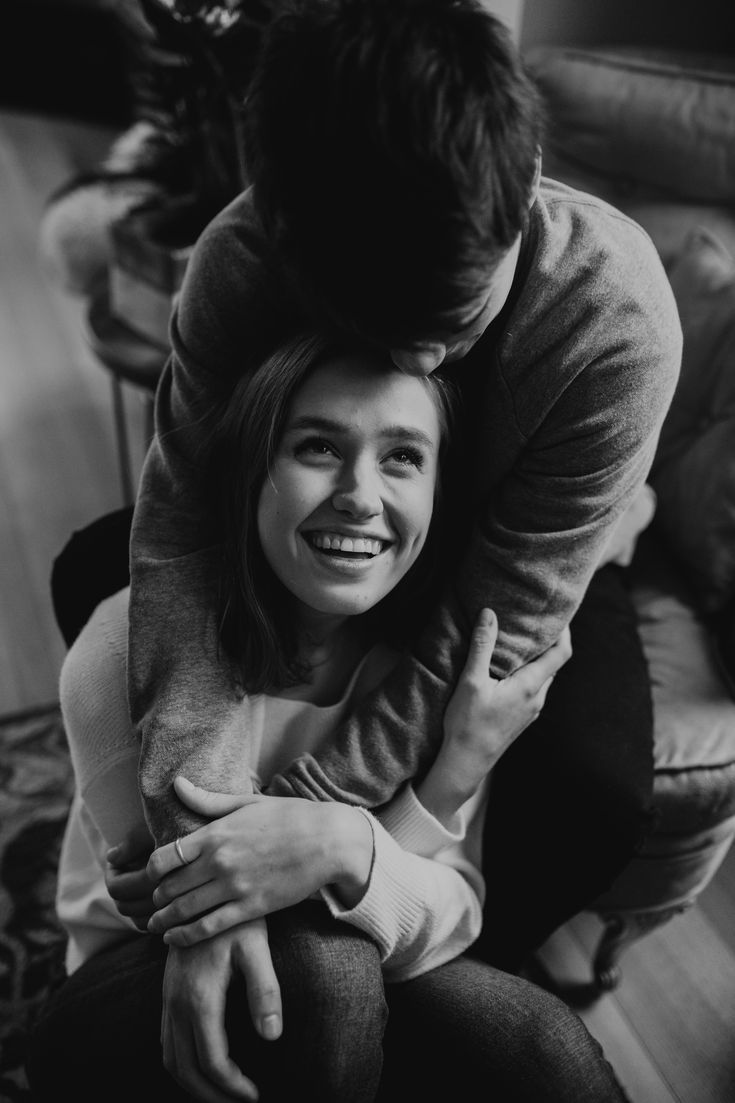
570 388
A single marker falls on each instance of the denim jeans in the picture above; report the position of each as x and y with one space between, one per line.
464 1030
571 801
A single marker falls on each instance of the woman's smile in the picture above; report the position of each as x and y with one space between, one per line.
347 506
346 547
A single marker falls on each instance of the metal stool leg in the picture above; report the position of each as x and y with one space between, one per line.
149 423
121 432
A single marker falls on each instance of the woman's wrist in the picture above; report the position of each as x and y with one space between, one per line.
438 800
445 789
354 848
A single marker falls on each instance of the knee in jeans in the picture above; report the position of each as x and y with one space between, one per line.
335 1014
568 1063
551 1031
341 973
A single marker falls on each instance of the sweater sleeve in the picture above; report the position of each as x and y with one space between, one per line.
421 908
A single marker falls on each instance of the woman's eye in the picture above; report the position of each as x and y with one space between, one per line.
314 446
407 457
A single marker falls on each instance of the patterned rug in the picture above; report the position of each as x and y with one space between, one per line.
35 792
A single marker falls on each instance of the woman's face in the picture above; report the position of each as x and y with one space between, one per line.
347 507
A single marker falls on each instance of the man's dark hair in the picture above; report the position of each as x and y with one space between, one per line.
392 146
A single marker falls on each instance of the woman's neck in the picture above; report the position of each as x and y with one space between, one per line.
319 633
330 648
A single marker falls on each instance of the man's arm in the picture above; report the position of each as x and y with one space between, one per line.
184 705
536 542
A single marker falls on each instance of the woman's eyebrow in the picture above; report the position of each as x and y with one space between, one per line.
408 433
316 423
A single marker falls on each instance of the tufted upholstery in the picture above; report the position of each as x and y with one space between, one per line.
694 474
654 133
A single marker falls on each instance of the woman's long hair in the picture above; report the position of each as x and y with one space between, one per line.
256 623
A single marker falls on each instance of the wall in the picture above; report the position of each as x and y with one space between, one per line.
510 11
706 25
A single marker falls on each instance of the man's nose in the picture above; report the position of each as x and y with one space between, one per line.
422 360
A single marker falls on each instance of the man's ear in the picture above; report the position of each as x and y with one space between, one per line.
536 179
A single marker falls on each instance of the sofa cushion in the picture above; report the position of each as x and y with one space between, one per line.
693 708
694 470
647 119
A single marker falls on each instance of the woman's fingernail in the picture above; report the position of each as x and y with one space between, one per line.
270 1027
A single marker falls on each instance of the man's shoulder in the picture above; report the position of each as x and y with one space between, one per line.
575 230
592 301
231 245
231 302
588 265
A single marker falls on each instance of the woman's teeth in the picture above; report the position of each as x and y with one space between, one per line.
348 545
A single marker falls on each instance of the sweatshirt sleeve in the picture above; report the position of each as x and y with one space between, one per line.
184 704
421 911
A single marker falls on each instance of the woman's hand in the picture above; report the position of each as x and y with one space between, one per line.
195 985
128 883
262 854
484 716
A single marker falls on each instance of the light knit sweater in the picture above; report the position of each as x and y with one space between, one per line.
567 392
423 902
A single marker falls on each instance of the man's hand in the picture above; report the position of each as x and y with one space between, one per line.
193 1037
128 883
262 854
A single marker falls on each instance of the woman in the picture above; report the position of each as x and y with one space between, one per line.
337 459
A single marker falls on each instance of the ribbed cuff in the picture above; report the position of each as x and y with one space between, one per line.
395 895
415 829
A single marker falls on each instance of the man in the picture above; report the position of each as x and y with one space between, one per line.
393 149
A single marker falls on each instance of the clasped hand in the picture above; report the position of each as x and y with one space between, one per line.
260 855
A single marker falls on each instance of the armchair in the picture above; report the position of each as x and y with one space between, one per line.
653 133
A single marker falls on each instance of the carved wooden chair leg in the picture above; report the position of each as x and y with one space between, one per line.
622 929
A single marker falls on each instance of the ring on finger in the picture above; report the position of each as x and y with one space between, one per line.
180 852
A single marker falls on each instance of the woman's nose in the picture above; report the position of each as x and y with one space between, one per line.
358 494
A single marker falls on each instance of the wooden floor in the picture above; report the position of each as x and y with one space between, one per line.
669 1030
